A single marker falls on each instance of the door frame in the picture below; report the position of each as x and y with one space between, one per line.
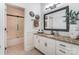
5 40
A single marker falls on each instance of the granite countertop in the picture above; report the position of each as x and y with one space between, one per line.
60 38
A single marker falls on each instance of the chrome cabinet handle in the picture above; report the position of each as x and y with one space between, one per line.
45 44
38 41
62 51
62 45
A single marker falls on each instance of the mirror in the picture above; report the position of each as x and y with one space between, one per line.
55 21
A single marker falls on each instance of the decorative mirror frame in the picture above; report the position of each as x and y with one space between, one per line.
67 19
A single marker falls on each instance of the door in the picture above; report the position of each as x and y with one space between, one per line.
20 27
11 27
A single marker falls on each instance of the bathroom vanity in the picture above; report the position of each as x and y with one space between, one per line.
57 20
56 45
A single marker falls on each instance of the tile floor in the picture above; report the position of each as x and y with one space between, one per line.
19 50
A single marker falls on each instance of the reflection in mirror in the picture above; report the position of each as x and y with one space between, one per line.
55 20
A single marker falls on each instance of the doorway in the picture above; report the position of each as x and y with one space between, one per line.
14 29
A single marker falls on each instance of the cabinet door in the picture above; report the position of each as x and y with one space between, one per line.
43 44
51 47
47 46
20 27
36 41
11 27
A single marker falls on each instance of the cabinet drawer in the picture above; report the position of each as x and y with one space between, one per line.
63 45
75 49
61 51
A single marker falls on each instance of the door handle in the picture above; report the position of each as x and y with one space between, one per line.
6 29
17 27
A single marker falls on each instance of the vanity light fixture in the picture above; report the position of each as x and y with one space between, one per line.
51 6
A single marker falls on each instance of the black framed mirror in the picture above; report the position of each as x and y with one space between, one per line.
55 21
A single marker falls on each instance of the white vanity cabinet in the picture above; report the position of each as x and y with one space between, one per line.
63 48
50 46
36 42
45 45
